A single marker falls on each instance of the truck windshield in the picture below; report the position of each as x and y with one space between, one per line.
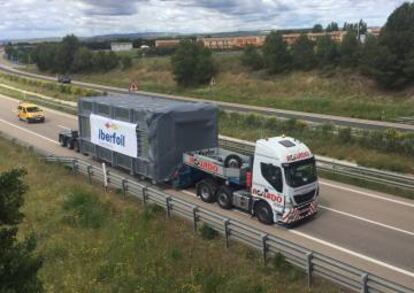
33 109
301 173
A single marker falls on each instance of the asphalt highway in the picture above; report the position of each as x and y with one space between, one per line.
370 230
287 114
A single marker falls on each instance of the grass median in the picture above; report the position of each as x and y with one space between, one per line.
331 91
93 241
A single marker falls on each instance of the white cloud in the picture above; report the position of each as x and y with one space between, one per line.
50 18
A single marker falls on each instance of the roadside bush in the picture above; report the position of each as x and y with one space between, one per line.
276 55
126 62
345 135
251 58
279 262
192 64
207 232
84 210
151 211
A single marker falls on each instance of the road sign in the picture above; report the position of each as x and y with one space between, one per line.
133 87
213 81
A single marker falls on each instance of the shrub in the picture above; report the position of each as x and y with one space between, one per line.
151 211
279 262
276 56
192 64
207 232
251 58
126 62
84 210
345 135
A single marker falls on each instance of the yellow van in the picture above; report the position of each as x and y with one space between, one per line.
30 113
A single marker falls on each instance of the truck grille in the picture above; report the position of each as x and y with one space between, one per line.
302 198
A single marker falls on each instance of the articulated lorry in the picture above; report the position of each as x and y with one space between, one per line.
177 143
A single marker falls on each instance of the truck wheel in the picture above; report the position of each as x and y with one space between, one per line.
225 197
76 146
264 213
62 141
69 144
233 161
206 190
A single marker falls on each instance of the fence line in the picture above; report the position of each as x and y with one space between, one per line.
334 166
313 263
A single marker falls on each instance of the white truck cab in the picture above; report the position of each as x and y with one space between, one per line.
284 176
279 184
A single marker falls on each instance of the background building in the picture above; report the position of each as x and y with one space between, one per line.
167 43
118 47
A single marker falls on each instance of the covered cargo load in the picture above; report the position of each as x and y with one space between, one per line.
144 134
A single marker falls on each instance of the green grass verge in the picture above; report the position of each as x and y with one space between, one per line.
335 92
47 88
93 241
37 100
367 184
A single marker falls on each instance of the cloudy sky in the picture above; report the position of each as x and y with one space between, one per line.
54 18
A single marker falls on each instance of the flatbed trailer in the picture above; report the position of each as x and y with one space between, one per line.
178 145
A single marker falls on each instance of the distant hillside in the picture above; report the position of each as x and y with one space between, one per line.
152 35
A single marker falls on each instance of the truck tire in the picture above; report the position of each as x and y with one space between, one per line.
233 161
76 146
69 144
264 213
62 141
225 197
206 190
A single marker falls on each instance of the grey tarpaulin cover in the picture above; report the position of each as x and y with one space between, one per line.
166 129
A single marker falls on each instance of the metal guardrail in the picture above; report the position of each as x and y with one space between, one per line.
334 166
325 164
314 264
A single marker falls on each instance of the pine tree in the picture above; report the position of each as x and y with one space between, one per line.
317 28
327 51
332 27
251 58
396 44
303 54
192 64
350 50
275 53
18 265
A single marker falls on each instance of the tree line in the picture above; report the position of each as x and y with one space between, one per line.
389 58
359 27
70 56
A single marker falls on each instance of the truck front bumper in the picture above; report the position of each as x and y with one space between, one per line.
299 213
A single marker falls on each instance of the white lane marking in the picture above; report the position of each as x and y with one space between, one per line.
46 108
341 213
340 248
411 205
322 182
29 131
63 127
367 258
369 221
356 254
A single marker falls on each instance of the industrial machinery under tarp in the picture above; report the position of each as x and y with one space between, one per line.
165 129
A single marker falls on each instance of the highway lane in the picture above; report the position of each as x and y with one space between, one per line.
310 117
346 236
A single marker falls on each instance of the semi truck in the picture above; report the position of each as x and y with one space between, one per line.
177 143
